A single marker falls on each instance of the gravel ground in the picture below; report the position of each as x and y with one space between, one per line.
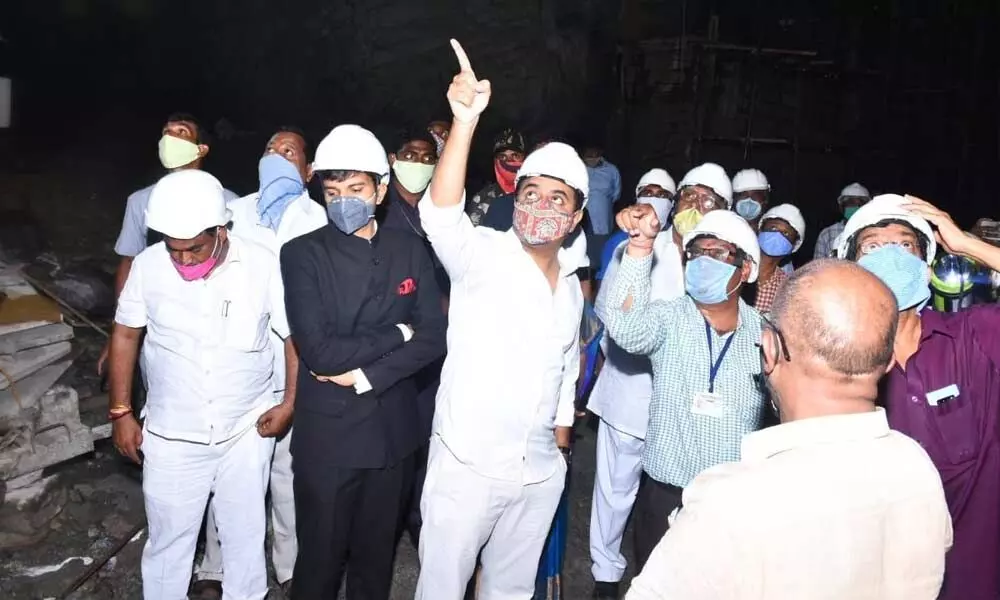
105 503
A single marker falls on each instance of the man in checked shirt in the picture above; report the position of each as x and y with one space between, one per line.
704 353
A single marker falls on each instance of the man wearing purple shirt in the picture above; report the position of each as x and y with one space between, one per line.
944 387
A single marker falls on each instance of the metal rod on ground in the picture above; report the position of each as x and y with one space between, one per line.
96 566
42 288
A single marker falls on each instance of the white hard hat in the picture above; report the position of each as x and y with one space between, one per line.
729 227
791 215
855 190
881 208
185 203
657 177
560 161
712 176
749 180
351 148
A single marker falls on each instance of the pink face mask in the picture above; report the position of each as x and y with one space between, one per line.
200 270
540 223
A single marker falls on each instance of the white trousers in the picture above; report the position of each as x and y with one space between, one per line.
177 479
616 482
284 546
464 512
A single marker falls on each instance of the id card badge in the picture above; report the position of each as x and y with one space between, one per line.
708 404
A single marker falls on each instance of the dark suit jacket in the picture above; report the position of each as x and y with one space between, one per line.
344 297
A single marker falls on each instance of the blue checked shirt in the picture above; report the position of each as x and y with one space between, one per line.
679 443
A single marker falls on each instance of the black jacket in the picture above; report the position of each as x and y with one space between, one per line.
344 297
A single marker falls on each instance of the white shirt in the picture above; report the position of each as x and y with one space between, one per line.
206 356
829 508
513 349
132 238
624 387
301 216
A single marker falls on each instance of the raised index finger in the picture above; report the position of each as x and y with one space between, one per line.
463 58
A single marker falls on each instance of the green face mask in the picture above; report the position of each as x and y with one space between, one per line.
415 177
175 152
850 210
686 220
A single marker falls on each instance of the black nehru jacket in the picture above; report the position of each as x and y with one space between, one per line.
344 297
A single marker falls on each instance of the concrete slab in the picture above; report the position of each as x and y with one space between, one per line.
35 337
31 389
44 448
26 362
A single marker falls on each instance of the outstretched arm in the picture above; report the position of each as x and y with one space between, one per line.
448 228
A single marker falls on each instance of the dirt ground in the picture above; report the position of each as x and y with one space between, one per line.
72 190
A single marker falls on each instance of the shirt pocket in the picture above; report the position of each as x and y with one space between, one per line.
957 426
244 323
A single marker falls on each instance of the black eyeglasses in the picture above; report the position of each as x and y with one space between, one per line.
781 341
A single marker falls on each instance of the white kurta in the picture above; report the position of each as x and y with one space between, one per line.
301 216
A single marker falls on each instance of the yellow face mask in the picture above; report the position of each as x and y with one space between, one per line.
686 220
175 152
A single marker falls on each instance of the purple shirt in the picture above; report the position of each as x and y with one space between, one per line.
960 434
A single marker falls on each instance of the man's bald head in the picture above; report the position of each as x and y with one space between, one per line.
839 313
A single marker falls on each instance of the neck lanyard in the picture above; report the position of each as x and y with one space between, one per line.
713 369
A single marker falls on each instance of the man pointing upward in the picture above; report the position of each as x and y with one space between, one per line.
505 405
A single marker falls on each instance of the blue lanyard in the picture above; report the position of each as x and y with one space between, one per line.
714 367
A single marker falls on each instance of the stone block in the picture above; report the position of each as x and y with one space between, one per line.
30 389
26 512
24 363
35 337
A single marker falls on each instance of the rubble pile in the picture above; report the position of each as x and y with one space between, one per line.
39 418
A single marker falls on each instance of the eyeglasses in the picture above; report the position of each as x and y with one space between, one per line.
768 324
705 202
718 253
872 246
770 225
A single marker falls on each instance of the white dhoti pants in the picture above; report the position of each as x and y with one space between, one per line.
178 478
616 482
464 512
284 546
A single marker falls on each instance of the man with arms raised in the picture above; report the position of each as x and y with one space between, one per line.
943 389
505 406
831 504
703 351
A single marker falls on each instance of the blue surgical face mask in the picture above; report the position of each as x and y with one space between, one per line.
280 184
707 280
748 208
905 274
350 213
773 243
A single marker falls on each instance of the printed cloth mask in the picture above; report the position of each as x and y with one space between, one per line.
413 176
707 279
905 274
748 208
850 210
439 141
686 220
200 270
773 243
538 223
350 213
280 184
661 206
175 152
506 172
